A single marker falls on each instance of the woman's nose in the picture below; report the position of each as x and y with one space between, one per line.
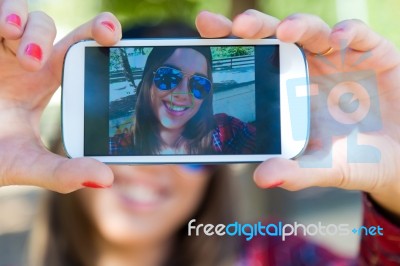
182 90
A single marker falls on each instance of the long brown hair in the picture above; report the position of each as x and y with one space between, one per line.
196 136
64 234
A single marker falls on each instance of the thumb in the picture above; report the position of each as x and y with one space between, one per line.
316 170
63 175
293 175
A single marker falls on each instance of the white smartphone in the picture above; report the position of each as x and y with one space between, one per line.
151 101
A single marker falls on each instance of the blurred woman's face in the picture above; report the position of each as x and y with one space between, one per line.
175 107
147 204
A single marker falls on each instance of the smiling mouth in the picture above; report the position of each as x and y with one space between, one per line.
141 194
175 108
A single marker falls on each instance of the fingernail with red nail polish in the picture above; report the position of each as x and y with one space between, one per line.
14 19
90 184
34 51
109 25
276 184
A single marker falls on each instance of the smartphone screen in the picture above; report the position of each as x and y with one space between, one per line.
135 96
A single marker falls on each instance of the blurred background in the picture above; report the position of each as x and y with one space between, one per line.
18 205
380 15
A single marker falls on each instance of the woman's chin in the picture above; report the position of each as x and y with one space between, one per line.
170 124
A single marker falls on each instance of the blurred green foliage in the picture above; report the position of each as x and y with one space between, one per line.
384 18
326 9
381 15
67 14
155 11
151 11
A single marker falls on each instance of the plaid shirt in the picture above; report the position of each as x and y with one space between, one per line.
232 136
296 251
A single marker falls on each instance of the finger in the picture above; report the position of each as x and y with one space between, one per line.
308 30
37 40
374 50
63 175
292 176
254 24
355 34
318 168
313 168
13 16
212 25
104 28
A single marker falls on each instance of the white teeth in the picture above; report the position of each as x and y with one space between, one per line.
176 108
141 194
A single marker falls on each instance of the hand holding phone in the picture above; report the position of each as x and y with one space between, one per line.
30 72
185 101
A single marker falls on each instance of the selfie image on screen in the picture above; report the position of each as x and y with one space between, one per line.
194 100
180 94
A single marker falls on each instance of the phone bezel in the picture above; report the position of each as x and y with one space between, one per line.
293 65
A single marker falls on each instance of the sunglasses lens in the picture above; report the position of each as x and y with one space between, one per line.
200 87
166 78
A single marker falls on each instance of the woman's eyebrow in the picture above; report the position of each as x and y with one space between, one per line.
172 66
177 68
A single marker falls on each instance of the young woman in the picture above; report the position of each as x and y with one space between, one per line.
141 220
174 108
177 86
30 71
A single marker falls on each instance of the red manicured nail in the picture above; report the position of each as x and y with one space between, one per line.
276 184
90 184
109 25
14 19
34 51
